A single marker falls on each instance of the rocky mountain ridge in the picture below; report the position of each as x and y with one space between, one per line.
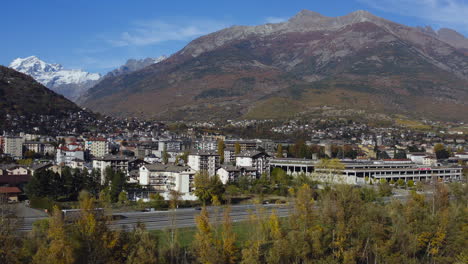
449 36
134 65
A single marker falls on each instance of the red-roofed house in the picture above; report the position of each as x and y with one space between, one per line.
10 193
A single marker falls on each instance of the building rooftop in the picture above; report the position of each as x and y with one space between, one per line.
204 153
8 166
96 139
165 167
115 158
10 190
251 153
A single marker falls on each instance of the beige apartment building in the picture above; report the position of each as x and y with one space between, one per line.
97 147
13 146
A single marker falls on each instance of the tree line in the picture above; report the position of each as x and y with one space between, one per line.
339 224
66 185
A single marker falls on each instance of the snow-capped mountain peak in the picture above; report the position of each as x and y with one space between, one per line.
33 64
70 83
73 83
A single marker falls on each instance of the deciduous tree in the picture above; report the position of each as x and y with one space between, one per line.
58 249
205 247
279 151
221 148
237 148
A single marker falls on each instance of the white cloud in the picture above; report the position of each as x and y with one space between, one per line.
275 20
446 13
156 31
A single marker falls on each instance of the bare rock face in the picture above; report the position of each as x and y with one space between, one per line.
448 36
453 38
134 65
311 59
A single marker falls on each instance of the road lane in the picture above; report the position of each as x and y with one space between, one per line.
185 217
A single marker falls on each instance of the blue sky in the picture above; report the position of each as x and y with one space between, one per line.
100 35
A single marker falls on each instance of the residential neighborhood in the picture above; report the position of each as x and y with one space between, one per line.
162 160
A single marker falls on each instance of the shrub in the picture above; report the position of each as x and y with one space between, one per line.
42 203
385 189
401 182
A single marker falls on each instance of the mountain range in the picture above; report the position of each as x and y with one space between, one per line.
72 83
357 61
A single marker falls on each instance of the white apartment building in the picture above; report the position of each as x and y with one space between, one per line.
68 153
229 156
97 147
169 145
39 147
417 158
206 145
167 178
13 146
207 162
462 155
229 173
117 163
430 160
255 159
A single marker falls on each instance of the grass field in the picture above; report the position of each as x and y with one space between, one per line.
274 108
413 124
186 235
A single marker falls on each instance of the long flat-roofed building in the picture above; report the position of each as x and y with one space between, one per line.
244 144
293 166
356 172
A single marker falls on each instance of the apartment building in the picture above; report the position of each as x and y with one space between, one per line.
256 159
13 146
166 178
207 162
169 145
229 173
244 144
117 163
206 145
39 147
67 154
97 147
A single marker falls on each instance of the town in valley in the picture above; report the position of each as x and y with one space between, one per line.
234 132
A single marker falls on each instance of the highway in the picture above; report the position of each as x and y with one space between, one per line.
185 217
